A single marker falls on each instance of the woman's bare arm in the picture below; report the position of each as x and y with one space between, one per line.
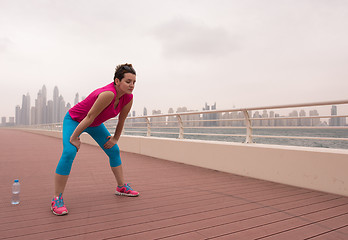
103 100
121 119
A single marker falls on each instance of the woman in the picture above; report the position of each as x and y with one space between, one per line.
88 116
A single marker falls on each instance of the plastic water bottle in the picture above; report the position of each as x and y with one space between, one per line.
16 188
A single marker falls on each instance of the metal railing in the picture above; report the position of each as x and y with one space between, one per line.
221 122
228 125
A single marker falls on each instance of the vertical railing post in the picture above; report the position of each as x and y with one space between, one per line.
249 137
148 134
181 127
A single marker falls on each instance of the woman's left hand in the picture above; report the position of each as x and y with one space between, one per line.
109 144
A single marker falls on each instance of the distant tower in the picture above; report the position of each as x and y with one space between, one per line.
256 122
61 108
314 121
266 121
293 122
27 109
55 104
76 101
213 107
171 119
23 110
32 115
145 112
271 121
44 104
38 108
49 111
206 116
68 106
18 115
206 108
334 121
44 95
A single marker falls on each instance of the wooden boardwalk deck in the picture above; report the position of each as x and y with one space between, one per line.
177 201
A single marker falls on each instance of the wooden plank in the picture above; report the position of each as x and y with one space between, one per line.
334 234
177 201
312 222
312 229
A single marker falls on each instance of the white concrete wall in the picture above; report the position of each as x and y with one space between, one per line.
314 168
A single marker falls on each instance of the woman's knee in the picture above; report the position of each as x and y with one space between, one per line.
114 150
66 161
68 155
70 152
114 156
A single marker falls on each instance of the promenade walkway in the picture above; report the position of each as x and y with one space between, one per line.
177 201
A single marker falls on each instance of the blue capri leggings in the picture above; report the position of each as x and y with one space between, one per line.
99 134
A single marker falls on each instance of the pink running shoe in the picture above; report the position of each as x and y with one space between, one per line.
58 207
126 190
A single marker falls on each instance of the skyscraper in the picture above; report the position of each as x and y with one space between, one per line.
76 101
303 121
44 105
171 119
50 111
314 121
61 109
205 115
271 121
33 116
39 108
293 122
264 115
334 120
18 115
25 111
55 104
256 122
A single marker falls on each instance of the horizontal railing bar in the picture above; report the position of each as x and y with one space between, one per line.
163 133
311 117
252 108
297 137
299 127
214 120
164 127
226 127
217 134
190 127
130 122
254 127
135 132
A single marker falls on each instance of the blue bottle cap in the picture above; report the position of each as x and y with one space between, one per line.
16 180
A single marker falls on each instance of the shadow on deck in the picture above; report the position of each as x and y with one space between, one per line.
177 201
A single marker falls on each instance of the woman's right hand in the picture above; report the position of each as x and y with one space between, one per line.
76 142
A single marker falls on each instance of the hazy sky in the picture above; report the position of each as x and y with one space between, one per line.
186 52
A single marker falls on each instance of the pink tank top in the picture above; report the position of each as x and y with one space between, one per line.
80 110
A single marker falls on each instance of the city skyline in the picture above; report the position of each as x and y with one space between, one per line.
43 111
46 111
